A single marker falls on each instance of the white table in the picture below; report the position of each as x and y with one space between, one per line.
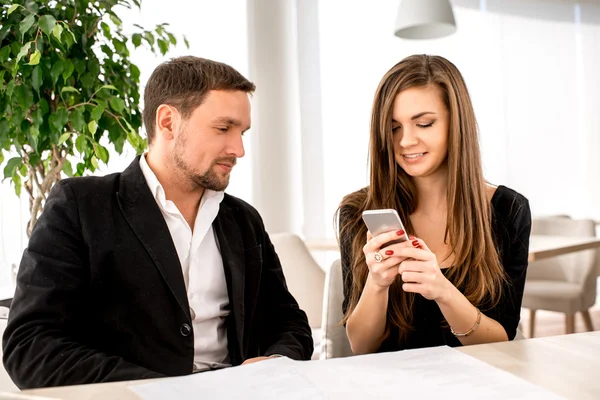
540 246
568 365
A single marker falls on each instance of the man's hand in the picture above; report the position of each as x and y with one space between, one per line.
255 359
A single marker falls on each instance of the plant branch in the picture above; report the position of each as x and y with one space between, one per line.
86 103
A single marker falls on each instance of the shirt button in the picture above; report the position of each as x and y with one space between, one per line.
185 330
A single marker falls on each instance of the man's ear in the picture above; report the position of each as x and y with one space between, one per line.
167 118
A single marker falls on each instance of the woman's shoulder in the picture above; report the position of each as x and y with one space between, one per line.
508 201
510 212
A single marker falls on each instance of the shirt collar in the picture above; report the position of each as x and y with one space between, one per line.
158 191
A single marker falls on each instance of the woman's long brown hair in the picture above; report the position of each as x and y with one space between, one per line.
476 270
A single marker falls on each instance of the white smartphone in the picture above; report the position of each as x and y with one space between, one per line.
386 220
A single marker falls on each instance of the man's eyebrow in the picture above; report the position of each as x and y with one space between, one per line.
228 121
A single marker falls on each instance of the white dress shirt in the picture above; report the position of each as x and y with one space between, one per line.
202 267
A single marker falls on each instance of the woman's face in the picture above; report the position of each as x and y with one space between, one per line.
420 130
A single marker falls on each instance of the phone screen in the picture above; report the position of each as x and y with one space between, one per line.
381 221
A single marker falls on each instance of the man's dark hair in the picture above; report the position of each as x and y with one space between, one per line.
184 82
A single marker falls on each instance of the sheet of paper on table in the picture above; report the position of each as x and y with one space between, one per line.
439 372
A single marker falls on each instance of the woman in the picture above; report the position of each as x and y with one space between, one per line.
460 278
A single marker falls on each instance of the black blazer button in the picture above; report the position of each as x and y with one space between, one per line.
185 330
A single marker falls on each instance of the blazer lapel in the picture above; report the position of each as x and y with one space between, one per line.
231 245
143 215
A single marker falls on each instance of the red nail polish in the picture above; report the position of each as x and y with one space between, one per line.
400 232
389 252
416 243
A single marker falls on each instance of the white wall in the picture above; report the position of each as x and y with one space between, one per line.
534 85
533 77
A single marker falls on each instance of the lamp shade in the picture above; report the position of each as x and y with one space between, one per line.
425 19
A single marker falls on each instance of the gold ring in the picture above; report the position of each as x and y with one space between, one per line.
378 257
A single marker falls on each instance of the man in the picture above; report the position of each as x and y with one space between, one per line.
155 271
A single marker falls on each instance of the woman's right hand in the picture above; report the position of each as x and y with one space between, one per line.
383 273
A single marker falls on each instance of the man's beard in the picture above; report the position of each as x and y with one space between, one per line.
210 179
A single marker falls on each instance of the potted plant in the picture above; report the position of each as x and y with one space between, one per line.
68 90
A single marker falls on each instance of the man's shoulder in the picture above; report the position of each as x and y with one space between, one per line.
83 186
240 206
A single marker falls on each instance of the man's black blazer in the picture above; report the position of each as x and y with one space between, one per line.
101 297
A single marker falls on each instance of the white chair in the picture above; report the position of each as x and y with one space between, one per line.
6 384
305 279
565 283
334 342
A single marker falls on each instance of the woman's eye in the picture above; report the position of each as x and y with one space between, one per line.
425 125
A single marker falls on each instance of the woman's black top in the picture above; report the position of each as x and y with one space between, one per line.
511 224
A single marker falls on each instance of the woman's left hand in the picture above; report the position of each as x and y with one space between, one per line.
421 272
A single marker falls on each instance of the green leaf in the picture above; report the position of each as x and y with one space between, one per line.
34 59
10 88
57 32
187 44
57 69
33 135
94 162
24 96
163 46
119 46
12 9
44 106
68 168
93 127
68 89
47 24
68 69
11 166
59 118
34 159
26 24
106 30
4 53
117 104
136 39
172 38
115 20
16 180
1 156
63 138
149 38
80 143
80 169
36 79
135 72
23 52
97 113
111 87
102 153
88 80
37 116
77 119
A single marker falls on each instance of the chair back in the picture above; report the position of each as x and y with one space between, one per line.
304 277
334 342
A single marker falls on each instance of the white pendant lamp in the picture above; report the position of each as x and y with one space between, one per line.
425 19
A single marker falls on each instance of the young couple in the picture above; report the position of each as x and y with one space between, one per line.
157 272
